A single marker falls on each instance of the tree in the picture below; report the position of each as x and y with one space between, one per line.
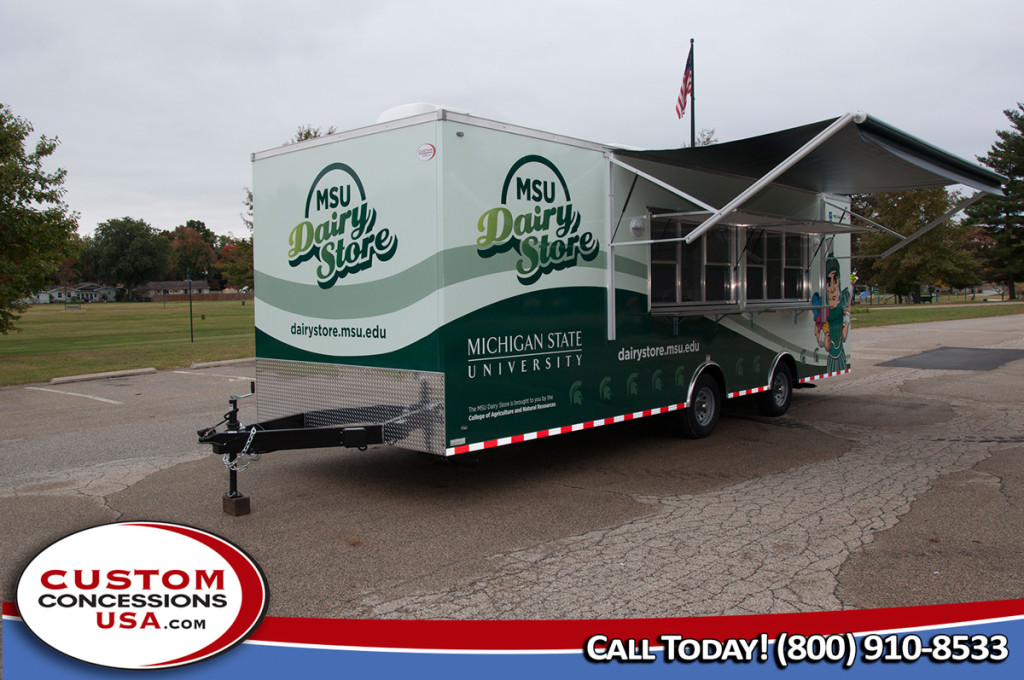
943 256
66 275
309 132
200 228
128 251
236 262
1003 216
706 137
36 226
247 214
192 250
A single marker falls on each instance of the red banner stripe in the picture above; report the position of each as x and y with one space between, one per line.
572 634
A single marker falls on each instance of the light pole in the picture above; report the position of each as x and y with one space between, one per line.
191 327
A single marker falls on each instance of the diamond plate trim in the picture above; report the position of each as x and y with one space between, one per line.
410 404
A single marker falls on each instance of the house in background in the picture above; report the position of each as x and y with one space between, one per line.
80 292
45 296
94 292
154 288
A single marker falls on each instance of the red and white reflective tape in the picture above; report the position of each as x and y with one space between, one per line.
565 429
745 393
824 375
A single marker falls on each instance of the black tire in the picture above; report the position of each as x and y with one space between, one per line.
701 417
775 402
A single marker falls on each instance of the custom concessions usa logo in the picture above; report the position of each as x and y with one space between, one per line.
142 595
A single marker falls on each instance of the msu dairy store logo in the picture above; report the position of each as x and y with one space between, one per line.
340 229
537 220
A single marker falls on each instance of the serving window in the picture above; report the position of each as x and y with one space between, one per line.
776 266
726 266
695 273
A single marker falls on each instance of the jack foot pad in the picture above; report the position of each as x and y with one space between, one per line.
236 505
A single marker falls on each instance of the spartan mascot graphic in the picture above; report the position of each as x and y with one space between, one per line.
832 324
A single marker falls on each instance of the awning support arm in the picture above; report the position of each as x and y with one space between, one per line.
963 205
664 185
624 206
782 167
746 246
817 250
871 222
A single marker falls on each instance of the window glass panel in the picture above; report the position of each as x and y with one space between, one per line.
794 250
690 272
774 283
755 283
774 265
718 249
664 229
755 248
663 252
774 246
664 265
717 288
663 282
699 272
794 283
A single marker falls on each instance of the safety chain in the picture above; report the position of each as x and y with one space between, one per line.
250 457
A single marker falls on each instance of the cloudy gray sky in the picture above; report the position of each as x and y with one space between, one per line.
158 105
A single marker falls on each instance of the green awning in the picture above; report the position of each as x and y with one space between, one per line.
861 158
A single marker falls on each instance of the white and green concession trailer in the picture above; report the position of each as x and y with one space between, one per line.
446 283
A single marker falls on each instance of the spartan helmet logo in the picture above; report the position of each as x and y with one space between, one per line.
576 393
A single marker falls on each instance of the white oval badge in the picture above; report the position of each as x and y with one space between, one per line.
142 595
426 152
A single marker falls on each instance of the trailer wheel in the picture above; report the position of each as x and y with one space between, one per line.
700 419
775 401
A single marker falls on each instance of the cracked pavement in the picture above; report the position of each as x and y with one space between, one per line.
887 487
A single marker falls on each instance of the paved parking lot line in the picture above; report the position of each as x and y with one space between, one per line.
76 394
213 375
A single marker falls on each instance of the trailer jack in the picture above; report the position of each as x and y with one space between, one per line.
246 442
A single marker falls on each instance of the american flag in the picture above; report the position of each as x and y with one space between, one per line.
687 86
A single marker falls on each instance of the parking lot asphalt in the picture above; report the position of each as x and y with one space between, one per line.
892 486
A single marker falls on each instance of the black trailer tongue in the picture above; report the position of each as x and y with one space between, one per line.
240 445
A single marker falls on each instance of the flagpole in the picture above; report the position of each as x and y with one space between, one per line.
693 112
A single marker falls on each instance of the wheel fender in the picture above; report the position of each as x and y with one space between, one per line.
704 367
775 364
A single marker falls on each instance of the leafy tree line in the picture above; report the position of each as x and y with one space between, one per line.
129 251
37 229
39 243
986 246
948 256
1002 217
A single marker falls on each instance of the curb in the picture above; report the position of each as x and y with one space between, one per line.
226 362
100 376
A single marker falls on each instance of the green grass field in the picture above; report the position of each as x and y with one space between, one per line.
865 316
107 337
55 341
